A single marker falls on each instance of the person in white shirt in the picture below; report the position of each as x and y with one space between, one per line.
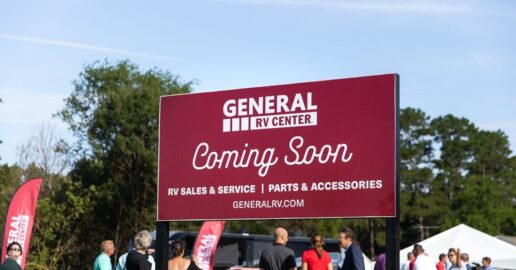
342 251
423 262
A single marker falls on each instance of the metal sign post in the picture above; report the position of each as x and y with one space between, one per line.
393 224
162 228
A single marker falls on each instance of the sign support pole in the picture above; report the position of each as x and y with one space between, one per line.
393 243
162 228
392 233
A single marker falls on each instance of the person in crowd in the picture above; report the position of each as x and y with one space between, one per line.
464 257
486 263
422 262
103 261
441 264
278 256
453 257
412 263
354 259
410 259
316 258
123 258
342 251
138 258
14 251
178 262
380 263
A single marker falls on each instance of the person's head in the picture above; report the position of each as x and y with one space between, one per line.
318 243
317 240
142 240
108 247
178 248
452 255
346 237
418 250
280 236
410 256
464 257
442 257
14 250
486 261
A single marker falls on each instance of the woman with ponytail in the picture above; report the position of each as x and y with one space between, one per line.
316 258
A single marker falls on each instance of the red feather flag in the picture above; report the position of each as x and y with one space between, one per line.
20 218
206 243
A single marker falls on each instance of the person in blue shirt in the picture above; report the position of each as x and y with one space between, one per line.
103 261
486 263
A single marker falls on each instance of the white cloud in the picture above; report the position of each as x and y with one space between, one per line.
399 6
433 7
85 47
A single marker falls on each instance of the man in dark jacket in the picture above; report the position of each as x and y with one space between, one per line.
278 256
354 259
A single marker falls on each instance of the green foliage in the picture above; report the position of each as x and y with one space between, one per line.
417 195
483 205
10 179
61 216
114 112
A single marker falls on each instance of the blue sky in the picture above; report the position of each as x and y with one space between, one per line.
455 57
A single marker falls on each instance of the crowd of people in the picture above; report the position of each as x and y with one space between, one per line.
275 257
453 260
279 257
139 256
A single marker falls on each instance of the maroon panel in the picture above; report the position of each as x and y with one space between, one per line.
307 150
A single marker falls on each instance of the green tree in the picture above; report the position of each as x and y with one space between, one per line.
452 137
509 228
417 196
490 154
485 200
113 111
59 230
10 180
483 205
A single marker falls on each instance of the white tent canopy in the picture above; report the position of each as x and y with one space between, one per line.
474 242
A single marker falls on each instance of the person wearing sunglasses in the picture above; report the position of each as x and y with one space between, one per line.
14 251
455 262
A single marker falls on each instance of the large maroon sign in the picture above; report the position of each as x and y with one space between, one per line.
308 150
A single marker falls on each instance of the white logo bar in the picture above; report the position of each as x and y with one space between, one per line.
270 121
